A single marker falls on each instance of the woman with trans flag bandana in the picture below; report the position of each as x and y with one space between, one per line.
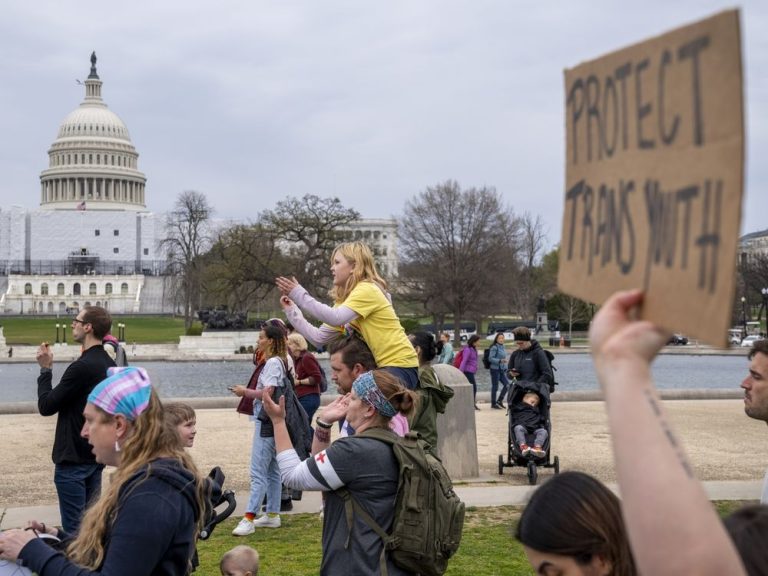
147 521
365 466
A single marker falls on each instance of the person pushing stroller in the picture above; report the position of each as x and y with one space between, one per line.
527 419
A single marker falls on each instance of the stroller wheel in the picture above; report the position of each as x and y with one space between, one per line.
532 473
557 464
501 464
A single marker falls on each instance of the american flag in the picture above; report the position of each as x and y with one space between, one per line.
81 206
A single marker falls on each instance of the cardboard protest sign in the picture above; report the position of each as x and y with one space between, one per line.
654 176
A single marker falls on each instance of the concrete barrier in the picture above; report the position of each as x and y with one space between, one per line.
456 429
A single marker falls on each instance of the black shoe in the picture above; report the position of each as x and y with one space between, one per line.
286 505
495 406
500 404
477 407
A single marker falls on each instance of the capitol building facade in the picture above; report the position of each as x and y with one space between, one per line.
92 241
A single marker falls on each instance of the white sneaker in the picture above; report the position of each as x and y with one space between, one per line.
267 522
243 528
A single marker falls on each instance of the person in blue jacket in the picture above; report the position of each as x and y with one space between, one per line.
498 358
147 521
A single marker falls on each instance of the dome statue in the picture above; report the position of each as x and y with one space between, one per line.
93 164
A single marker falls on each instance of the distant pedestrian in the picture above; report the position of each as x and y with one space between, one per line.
498 359
469 364
445 349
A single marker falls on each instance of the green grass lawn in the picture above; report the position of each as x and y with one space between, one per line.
21 331
488 547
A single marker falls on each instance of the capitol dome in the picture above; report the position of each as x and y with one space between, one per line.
93 164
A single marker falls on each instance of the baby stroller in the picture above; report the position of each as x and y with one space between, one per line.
217 496
514 455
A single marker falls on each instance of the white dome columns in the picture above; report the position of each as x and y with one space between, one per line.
105 193
93 159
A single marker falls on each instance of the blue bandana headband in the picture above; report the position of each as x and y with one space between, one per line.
366 389
126 391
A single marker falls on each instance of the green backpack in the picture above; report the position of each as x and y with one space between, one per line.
429 517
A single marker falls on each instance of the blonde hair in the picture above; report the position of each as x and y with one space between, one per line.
360 256
298 340
532 395
245 557
151 437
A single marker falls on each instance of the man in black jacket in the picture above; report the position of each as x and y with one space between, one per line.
77 475
529 362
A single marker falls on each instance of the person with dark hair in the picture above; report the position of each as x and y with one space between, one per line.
673 529
469 364
573 525
77 475
351 357
146 522
755 387
498 359
748 529
529 362
433 395
367 467
265 474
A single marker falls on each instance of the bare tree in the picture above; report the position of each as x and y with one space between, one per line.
241 266
754 274
529 283
187 238
457 248
310 228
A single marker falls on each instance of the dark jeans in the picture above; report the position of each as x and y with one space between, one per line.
408 376
77 485
310 403
471 377
497 375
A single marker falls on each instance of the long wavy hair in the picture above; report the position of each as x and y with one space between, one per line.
360 256
151 437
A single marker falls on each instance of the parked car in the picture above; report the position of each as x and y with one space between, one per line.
749 340
678 340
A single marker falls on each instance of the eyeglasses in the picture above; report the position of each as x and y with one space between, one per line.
79 321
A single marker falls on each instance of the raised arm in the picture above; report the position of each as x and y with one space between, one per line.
316 336
673 529
338 316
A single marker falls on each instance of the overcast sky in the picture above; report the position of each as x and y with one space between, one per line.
253 101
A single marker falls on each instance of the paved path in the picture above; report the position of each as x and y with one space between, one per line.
727 450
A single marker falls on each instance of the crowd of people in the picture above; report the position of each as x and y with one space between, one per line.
148 520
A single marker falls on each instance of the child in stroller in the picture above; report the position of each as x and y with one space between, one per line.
527 419
529 430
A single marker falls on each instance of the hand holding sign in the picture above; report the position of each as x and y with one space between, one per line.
654 176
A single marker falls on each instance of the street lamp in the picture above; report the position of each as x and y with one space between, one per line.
743 317
63 333
764 292
57 332
121 332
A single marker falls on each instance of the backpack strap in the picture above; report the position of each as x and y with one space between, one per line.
352 507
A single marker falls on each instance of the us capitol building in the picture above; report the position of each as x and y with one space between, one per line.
92 240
